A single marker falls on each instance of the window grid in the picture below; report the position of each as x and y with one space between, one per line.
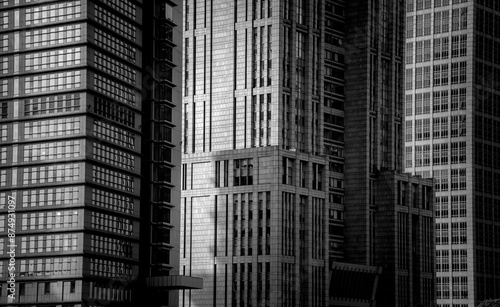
4 42
51 173
113 179
442 234
52 13
50 197
52 104
458 126
4 20
52 36
4 65
3 155
125 7
117 24
49 220
114 45
441 180
111 223
440 101
458 152
409 131
4 86
409 53
441 48
53 59
112 156
114 134
53 82
111 269
112 201
409 157
440 127
110 246
459 206
458 99
114 67
49 243
409 105
409 79
51 151
442 207
49 266
114 90
440 154
3 178
114 112
52 127
459 233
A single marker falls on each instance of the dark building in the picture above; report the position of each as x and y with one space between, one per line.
292 143
387 214
89 150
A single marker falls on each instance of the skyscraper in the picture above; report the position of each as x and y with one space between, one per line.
452 77
293 152
78 102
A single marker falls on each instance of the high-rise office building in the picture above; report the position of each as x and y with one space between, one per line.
452 134
292 151
89 150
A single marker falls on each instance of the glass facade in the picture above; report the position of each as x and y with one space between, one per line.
291 111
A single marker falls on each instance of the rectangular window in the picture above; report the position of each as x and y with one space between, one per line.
113 44
114 67
419 25
113 179
440 127
53 36
52 104
51 151
427 24
52 128
114 22
409 79
440 101
125 7
445 45
458 126
427 77
115 90
427 50
409 53
409 26
419 51
408 156
437 22
53 82
52 13
122 137
419 77
409 131
442 206
288 170
243 172
51 173
409 105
